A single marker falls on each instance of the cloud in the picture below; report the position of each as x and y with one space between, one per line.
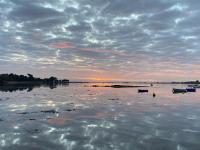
113 52
63 45
32 12
127 38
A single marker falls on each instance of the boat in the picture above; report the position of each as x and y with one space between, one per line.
191 89
143 91
179 90
194 85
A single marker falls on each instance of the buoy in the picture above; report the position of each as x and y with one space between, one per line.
154 95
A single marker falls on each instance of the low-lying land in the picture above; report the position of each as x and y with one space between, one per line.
120 86
13 79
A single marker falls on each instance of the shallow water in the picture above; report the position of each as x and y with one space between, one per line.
79 117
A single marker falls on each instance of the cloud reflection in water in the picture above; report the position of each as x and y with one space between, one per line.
66 118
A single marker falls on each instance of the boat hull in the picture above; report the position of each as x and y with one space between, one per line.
143 91
191 89
179 91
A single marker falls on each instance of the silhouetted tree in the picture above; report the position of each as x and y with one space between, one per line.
30 76
52 79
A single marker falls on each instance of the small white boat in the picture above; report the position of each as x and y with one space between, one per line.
194 85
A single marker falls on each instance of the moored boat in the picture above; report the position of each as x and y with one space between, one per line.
191 89
194 85
179 90
143 91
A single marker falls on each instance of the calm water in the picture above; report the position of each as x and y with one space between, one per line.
88 118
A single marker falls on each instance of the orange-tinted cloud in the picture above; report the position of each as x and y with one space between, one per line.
67 45
104 79
62 45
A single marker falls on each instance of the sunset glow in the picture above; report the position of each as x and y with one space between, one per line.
101 40
103 79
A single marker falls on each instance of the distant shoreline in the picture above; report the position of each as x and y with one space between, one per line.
90 82
14 79
113 82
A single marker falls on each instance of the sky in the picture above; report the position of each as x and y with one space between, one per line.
122 40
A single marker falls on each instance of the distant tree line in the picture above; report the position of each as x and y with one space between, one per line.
29 78
187 82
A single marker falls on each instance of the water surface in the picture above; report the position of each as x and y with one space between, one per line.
79 117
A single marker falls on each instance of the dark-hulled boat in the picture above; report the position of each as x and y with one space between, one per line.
143 91
179 91
191 89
